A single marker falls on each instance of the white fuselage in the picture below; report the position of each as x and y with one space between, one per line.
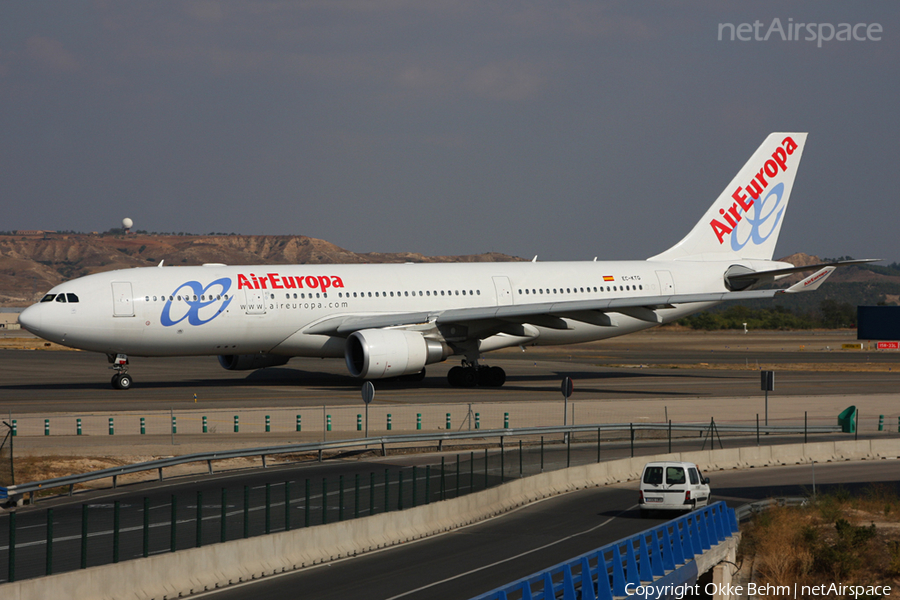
228 310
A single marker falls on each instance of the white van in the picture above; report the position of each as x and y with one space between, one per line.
672 486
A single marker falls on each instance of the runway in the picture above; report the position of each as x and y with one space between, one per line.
640 366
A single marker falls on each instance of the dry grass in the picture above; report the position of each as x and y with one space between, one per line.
30 343
839 538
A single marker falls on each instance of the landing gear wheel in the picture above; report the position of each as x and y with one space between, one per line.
496 377
469 377
455 376
124 381
121 381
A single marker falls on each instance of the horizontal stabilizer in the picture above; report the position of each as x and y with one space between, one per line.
812 282
790 270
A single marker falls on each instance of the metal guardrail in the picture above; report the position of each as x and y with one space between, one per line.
745 511
628 563
15 492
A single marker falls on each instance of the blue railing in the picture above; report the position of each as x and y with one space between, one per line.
628 563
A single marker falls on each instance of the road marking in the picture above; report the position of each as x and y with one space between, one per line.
505 560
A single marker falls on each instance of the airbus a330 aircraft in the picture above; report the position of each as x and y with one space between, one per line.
392 320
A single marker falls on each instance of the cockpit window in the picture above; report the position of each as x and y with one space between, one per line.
48 298
71 297
61 298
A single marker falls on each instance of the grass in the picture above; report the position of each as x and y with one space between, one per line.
837 538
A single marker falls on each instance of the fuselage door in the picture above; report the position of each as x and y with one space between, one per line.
123 301
504 291
256 302
666 283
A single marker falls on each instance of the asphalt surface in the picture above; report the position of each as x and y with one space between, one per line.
639 366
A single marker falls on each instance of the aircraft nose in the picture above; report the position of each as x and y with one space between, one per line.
30 319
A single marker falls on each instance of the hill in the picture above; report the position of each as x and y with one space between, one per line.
32 264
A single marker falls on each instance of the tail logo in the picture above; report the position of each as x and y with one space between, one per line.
751 195
763 211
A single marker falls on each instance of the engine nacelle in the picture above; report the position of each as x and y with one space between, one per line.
247 362
380 353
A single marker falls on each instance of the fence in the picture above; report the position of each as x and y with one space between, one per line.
80 536
618 569
340 420
72 537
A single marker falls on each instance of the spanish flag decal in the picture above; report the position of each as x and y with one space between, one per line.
608 278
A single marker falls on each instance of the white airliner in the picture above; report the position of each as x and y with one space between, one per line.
392 320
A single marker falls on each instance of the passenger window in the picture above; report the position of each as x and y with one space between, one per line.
653 475
392 294
674 475
695 478
442 292
61 298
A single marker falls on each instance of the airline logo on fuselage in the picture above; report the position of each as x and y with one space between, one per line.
766 207
276 281
199 305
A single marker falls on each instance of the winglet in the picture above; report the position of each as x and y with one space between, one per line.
812 282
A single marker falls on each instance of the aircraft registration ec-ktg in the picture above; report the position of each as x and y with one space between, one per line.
392 320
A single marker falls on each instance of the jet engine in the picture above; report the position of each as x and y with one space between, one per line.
247 362
380 353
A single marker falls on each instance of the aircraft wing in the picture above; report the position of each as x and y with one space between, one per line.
551 314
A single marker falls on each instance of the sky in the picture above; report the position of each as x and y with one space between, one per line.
565 129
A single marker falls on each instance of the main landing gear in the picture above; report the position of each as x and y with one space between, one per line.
121 380
473 374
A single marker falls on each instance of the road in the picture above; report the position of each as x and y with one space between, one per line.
475 559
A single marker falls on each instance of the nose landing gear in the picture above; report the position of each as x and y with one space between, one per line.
121 380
